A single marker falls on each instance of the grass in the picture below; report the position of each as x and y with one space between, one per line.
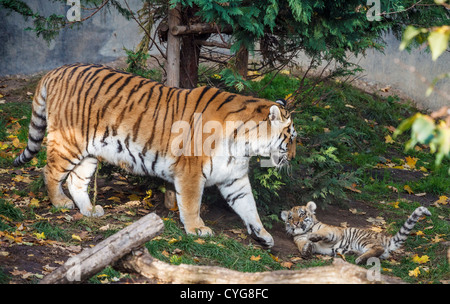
175 247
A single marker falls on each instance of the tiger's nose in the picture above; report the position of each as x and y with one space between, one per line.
292 150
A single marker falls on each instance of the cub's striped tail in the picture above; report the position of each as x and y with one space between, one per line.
398 239
37 128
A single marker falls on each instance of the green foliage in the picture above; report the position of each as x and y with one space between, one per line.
137 64
176 247
233 80
10 211
424 130
51 231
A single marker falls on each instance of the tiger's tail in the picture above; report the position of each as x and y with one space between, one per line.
38 126
398 239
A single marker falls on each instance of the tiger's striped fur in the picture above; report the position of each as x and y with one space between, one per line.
312 236
92 112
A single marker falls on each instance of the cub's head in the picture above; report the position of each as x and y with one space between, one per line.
300 219
283 134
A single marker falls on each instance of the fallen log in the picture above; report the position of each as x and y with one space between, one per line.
92 260
340 272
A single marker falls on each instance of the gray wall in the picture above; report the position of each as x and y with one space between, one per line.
393 68
100 39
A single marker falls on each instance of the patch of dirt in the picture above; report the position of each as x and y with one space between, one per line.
18 88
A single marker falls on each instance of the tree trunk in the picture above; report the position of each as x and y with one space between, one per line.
92 260
340 272
242 61
189 60
173 49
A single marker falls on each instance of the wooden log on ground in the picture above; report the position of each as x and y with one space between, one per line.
92 260
340 272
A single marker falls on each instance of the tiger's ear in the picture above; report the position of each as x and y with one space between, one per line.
275 114
311 206
284 215
281 101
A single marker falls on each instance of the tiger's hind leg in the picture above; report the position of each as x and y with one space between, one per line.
374 251
78 182
55 172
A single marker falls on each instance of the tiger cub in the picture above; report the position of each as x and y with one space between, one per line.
311 236
93 112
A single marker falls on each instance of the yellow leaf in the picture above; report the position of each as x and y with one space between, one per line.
421 260
443 200
175 206
16 142
149 194
200 241
255 258
39 236
420 232
411 161
437 239
172 240
388 139
392 188
285 72
287 265
275 258
408 189
134 197
18 178
34 202
114 198
414 273
423 169
76 237
376 229
353 188
395 204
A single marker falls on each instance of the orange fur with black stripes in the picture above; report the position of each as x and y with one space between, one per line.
312 236
92 112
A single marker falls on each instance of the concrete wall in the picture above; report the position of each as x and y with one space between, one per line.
100 39
394 68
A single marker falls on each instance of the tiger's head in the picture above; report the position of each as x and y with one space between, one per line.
300 219
283 144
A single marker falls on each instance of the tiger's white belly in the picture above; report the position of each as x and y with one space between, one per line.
225 168
129 156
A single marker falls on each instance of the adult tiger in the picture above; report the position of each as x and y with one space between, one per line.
92 112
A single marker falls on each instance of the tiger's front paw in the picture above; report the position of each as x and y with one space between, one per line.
263 237
314 237
200 231
307 250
